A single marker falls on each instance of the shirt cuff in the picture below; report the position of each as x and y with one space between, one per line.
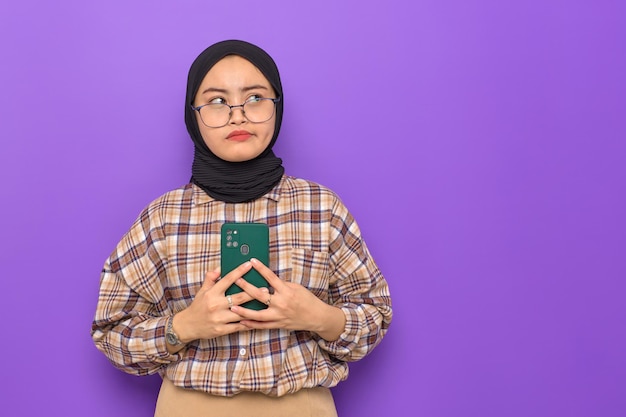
155 344
344 346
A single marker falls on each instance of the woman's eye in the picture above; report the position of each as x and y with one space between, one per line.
253 98
217 100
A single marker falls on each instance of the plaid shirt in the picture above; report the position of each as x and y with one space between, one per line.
159 265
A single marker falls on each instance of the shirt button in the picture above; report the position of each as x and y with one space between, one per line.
242 352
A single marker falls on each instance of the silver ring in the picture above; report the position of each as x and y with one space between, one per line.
230 301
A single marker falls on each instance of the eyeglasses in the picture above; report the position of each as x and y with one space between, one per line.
256 110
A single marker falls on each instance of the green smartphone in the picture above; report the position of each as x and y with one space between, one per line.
239 243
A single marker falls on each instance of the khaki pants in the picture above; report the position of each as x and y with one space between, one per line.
178 402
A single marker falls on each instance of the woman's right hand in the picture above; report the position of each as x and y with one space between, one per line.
209 314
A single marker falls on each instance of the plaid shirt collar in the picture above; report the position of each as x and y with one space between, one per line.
200 197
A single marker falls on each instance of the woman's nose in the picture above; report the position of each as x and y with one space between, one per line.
237 116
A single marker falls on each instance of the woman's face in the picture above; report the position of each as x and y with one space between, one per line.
233 80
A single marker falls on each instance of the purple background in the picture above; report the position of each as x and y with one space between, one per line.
479 144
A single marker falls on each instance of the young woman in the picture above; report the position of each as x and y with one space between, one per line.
162 305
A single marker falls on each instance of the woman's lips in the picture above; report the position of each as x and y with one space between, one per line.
239 135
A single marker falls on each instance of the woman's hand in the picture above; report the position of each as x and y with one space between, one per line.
209 315
291 306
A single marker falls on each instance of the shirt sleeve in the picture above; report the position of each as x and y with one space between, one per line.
358 288
131 315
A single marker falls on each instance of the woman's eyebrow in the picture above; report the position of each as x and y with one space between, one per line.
254 87
214 90
243 89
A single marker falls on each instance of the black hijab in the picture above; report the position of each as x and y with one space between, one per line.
233 182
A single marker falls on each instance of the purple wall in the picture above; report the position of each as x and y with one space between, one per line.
480 145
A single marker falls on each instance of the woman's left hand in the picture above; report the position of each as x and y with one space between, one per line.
291 306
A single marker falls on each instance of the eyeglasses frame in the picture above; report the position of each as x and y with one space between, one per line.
230 112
